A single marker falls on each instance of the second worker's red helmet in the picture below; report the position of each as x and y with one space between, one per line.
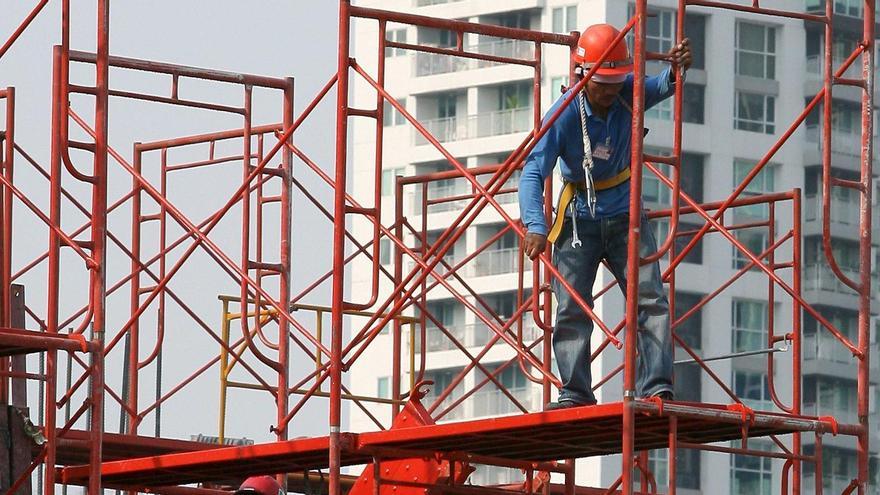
260 485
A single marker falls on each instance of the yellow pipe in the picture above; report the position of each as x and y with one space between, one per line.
224 358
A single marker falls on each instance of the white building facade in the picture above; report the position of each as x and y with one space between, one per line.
752 76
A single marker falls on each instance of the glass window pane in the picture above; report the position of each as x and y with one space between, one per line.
558 24
750 64
571 18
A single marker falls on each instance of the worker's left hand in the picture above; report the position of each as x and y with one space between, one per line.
681 54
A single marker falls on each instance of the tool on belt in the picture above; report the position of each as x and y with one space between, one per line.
588 185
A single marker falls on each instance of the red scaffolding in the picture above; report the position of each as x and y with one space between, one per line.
408 450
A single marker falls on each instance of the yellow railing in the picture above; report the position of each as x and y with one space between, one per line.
265 316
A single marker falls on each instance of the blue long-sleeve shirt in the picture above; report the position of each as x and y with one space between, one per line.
564 142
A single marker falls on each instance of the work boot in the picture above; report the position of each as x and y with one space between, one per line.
566 404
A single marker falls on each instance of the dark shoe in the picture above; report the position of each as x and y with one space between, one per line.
566 404
664 395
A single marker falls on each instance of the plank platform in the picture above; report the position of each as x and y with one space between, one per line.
560 434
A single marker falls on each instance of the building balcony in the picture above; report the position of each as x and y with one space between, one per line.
436 340
430 64
499 262
845 206
816 68
822 346
486 124
844 143
820 278
495 402
481 334
469 335
458 412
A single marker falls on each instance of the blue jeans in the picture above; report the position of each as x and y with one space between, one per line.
606 239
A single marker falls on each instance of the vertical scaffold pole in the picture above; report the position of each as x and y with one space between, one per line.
339 217
865 244
284 278
632 276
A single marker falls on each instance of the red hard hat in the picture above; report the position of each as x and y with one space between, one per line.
593 43
260 485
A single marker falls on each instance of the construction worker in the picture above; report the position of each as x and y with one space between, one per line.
260 485
591 141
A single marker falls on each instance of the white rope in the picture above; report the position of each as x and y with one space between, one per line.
587 162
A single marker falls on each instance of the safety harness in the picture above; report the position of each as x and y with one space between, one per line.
588 185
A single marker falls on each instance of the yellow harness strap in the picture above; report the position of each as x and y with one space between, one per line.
567 196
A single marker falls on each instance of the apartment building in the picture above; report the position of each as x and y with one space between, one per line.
751 78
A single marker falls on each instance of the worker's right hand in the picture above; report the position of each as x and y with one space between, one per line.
534 244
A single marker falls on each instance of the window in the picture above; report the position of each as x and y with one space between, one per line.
687 464
512 378
763 182
446 105
653 189
753 389
749 323
693 103
839 467
513 96
385 251
691 329
565 19
755 112
824 395
755 50
751 474
660 111
755 239
686 232
695 29
692 175
399 36
389 178
556 84
687 379
390 115
660 31
849 8
442 380
383 388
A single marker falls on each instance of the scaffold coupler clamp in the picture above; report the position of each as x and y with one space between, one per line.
832 422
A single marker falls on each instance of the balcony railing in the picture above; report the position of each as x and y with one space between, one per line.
498 262
457 413
495 402
436 340
824 346
816 67
487 124
844 210
841 142
429 64
821 278
480 333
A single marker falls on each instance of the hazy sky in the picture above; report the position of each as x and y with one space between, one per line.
276 38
